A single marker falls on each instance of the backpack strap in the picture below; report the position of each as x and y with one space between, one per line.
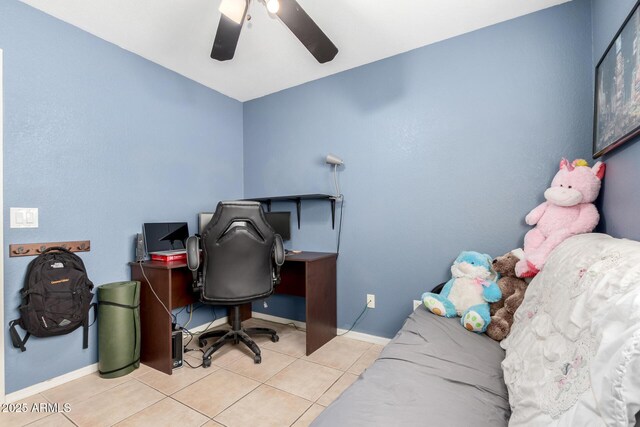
85 324
15 337
56 248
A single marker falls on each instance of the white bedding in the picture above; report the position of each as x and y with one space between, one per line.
573 355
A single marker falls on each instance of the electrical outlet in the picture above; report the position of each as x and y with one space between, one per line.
416 303
371 301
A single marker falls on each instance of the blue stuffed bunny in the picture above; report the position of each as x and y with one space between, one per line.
468 293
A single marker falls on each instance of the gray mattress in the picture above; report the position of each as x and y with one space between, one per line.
434 372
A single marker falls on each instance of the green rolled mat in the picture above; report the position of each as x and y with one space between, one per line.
118 328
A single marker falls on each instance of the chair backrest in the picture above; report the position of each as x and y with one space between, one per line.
238 255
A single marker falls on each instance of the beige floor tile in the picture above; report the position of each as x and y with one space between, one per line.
167 413
55 420
339 353
280 328
225 355
230 353
195 355
305 379
272 363
264 407
212 423
143 369
292 343
307 418
169 384
336 389
114 405
21 413
366 359
83 388
216 392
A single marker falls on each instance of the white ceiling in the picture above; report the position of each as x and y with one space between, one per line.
178 34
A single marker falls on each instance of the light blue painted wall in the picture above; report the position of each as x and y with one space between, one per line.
101 140
446 147
620 199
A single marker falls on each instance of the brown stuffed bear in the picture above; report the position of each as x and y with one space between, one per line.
513 289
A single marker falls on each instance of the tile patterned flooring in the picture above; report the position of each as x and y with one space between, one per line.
286 389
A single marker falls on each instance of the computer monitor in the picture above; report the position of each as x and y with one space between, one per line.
204 218
280 222
165 236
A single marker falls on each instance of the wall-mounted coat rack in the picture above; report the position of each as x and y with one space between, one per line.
34 249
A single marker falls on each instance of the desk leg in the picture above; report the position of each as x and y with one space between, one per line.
155 323
321 303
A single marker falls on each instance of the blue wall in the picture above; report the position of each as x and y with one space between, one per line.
446 147
101 140
620 196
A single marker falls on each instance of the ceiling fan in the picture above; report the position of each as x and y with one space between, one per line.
234 13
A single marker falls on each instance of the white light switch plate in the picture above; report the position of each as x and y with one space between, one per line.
23 217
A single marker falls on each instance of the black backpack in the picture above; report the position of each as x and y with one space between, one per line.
56 298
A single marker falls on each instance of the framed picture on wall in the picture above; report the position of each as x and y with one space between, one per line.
617 91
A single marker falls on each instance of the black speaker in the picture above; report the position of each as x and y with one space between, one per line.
139 248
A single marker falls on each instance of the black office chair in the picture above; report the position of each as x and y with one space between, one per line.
241 259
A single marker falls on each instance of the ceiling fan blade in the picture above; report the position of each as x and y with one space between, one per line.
303 27
224 45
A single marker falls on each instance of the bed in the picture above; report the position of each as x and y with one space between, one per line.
434 372
572 357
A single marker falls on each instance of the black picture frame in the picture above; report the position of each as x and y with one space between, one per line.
617 88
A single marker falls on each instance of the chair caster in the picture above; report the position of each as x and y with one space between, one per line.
257 359
275 338
202 343
206 363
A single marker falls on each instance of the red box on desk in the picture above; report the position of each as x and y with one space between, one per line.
169 257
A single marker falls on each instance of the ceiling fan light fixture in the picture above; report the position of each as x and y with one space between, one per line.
273 6
233 9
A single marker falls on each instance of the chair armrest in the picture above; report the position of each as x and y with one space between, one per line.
278 257
193 253
193 260
278 250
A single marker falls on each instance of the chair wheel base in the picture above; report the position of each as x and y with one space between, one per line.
275 338
257 359
202 343
206 363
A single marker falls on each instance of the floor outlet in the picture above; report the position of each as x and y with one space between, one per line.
371 301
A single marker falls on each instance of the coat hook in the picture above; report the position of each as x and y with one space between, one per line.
20 250
82 247
42 248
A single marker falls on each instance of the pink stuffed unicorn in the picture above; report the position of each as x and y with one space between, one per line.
568 211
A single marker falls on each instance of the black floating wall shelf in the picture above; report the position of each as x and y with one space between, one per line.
298 201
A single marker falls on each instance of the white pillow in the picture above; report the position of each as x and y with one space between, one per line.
573 354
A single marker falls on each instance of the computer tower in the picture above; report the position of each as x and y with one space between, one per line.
177 352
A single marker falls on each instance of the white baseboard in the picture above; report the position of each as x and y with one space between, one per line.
354 335
48 384
374 339
201 328
276 319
